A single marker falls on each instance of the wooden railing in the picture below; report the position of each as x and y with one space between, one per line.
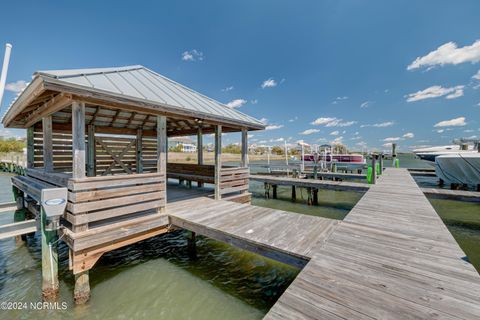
99 198
234 180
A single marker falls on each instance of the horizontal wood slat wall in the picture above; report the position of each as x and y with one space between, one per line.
234 179
103 197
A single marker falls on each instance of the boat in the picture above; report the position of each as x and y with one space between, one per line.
461 168
429 154
342 161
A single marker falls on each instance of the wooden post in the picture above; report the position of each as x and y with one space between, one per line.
274 191
162 151
294 194
47 144
82 287
381 163
81 293
78 139
30 148
374 168
244 162
192 245
315 196
49 261
139 152
218 160
200 151
394 154
91 151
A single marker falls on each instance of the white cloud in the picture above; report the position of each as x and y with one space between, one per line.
332 122
227 89
334 133
16 86
435 92
361 144
264 120
440 130
409 135
457 122
254 101
472 137
274 126
386 145
293 119
448 53
192 55
468 130
476 76
250 135
379 125
339 99
337 140
237 103
269 83
366 104
392 139
309 131
356 138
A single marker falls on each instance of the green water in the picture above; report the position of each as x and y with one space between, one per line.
156 279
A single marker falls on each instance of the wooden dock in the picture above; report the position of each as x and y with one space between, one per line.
310 183
462 195
391 258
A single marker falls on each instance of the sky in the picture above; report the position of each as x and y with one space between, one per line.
363 73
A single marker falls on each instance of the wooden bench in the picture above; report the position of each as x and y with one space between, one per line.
191 172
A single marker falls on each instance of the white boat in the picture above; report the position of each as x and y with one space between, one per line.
461 168
429 154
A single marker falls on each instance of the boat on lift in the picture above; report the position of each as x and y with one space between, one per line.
343 161
461 169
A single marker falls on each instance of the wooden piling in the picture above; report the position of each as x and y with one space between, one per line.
374 168
274 191
192 245
315 197
381 163
81 293
294 194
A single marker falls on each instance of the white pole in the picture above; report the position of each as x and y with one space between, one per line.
3 77
303 157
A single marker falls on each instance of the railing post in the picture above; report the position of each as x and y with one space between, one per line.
47 144
139 152
244 162
162 152
200 151
218 160
91 150
78 139
374 168
30 148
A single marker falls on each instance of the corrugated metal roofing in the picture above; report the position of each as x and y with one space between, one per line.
142 83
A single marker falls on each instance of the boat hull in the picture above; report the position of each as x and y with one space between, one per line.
459 168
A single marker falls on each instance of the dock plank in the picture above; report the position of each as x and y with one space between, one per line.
391 258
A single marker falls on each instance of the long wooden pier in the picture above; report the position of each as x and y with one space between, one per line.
391 258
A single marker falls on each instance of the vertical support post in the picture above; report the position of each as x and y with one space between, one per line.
49 261
294 194
286 153
268 158
138 151
47 144
218 160
81 293
381 163
192 245
244 162
394 154
162 152
91 151
274 191
315 196
30 148
303 157
200 151
374 168
78 139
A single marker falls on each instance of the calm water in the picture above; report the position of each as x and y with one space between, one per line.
156 279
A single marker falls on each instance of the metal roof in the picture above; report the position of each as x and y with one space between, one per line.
141 83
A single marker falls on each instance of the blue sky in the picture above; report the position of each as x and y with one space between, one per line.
342 63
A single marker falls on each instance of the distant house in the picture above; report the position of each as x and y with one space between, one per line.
186 144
